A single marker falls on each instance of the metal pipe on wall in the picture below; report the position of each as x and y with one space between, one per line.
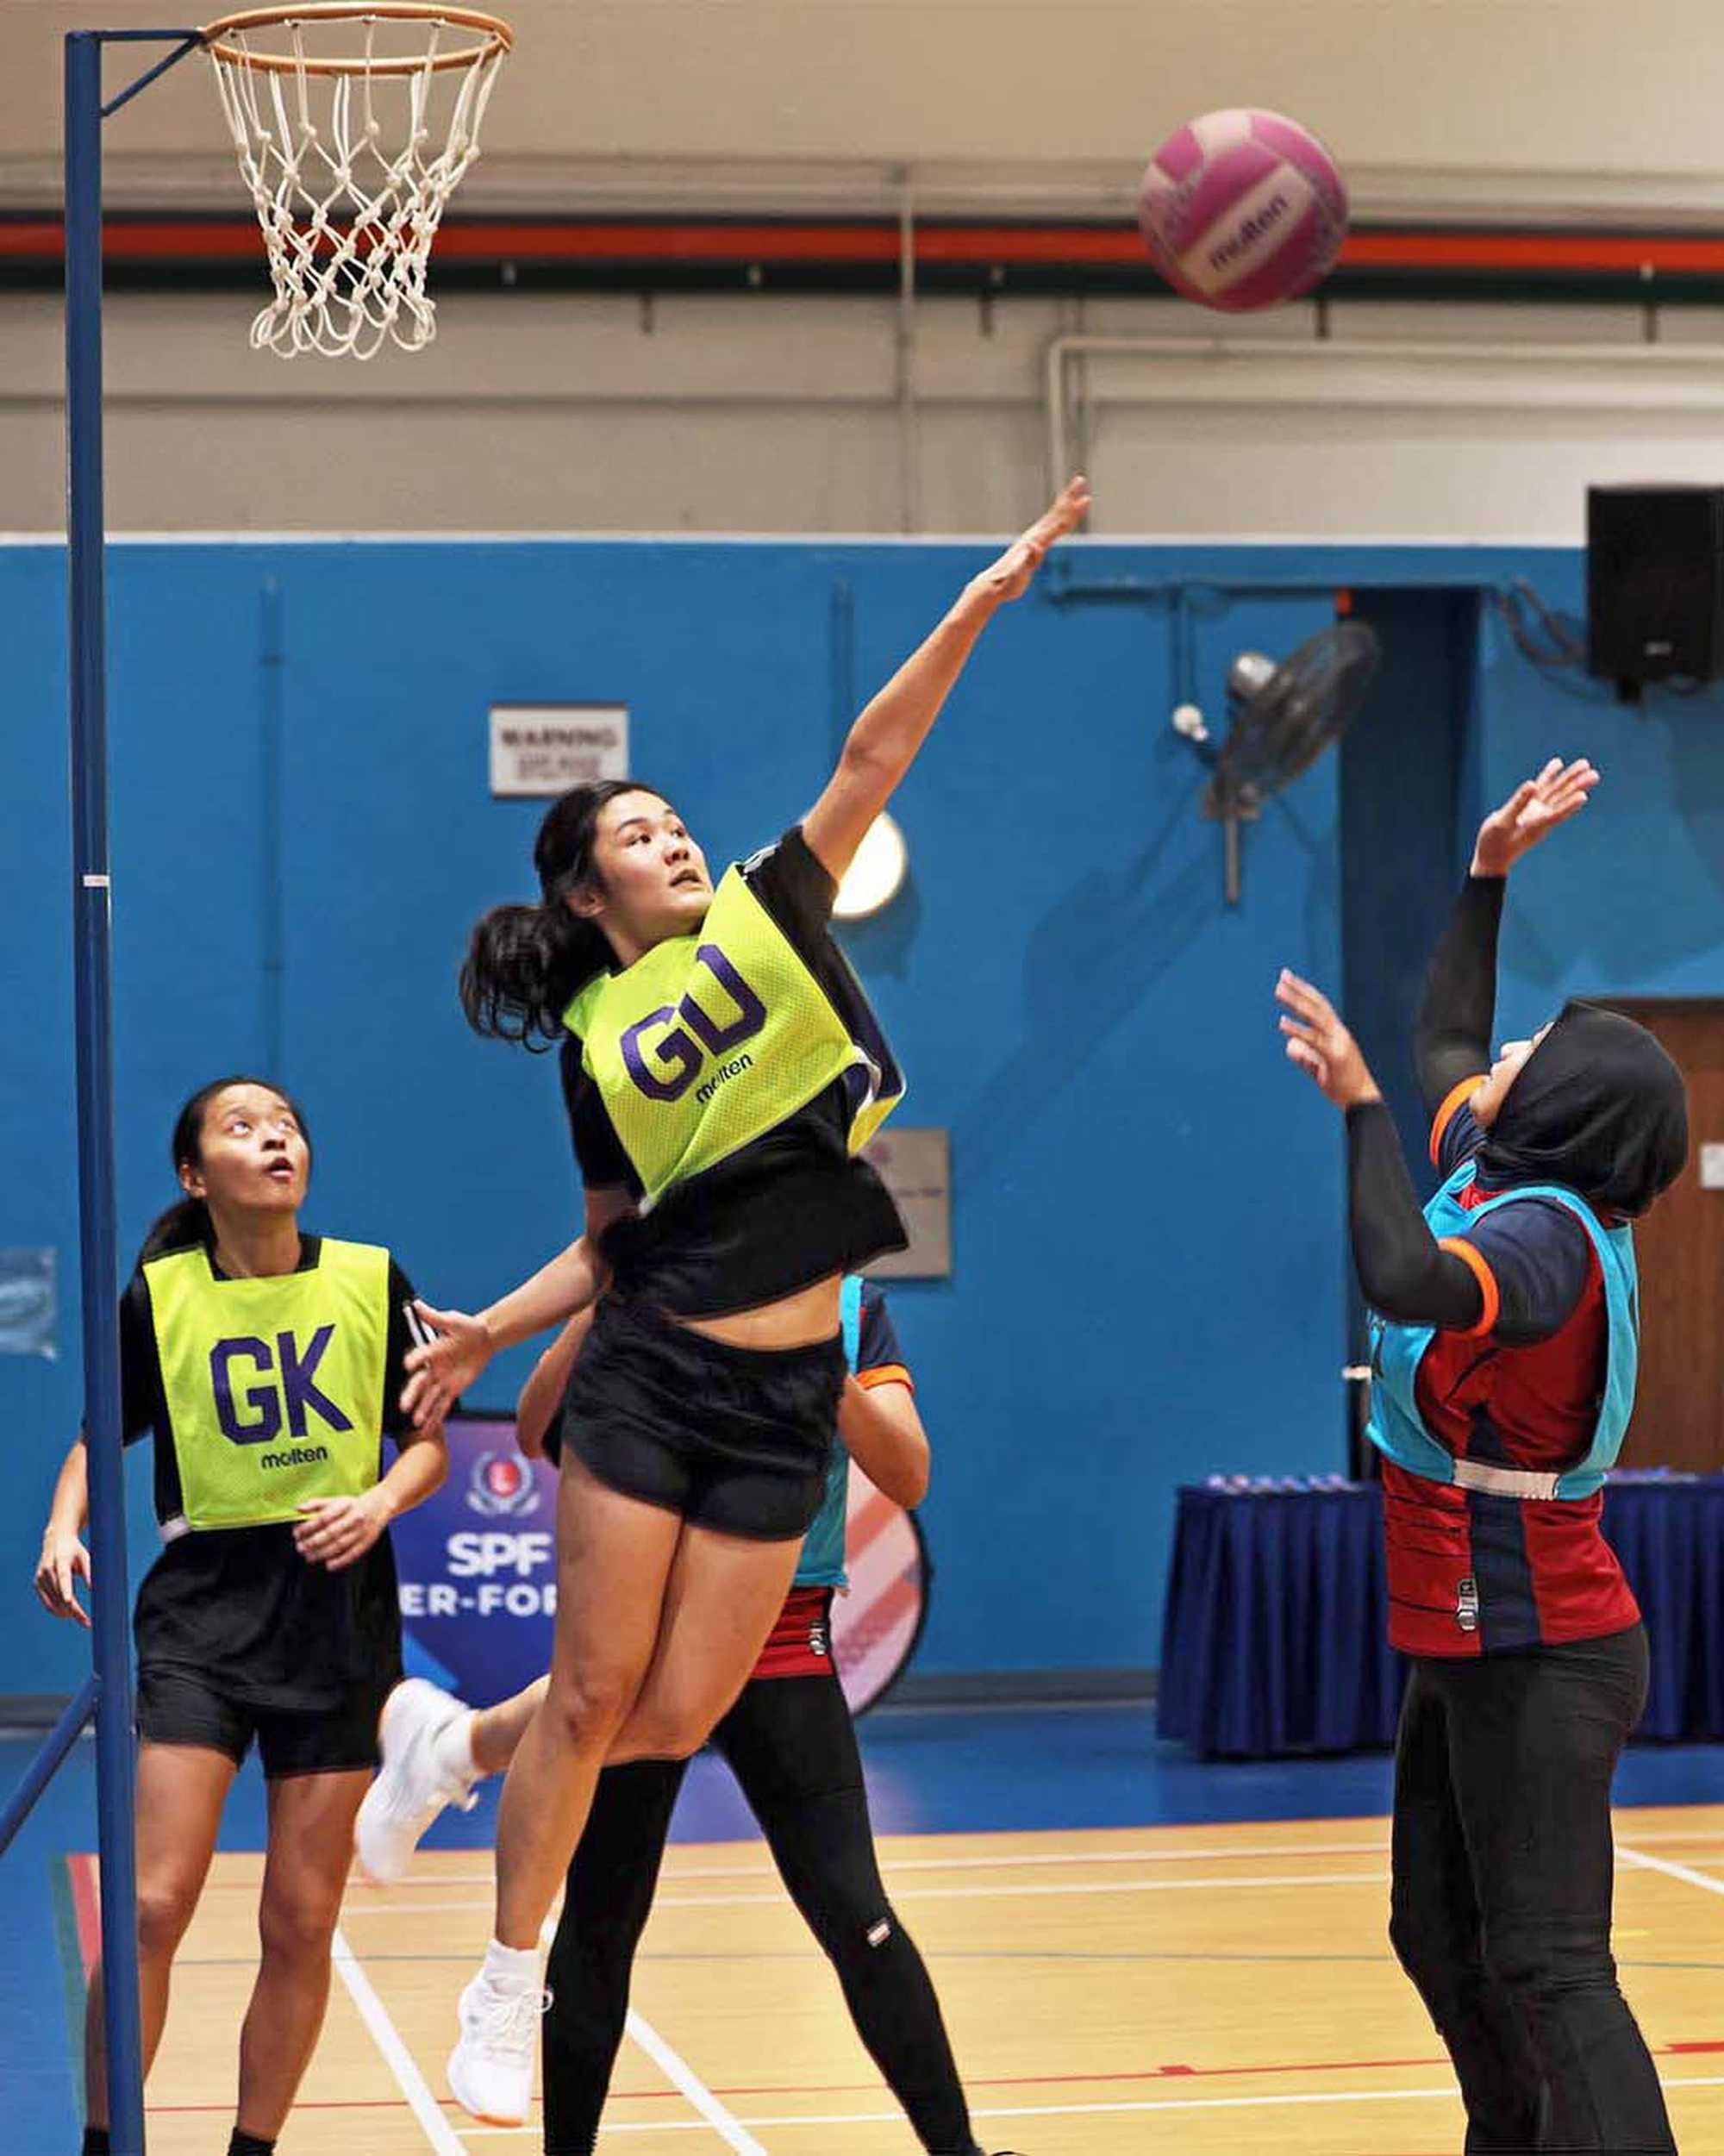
1436 376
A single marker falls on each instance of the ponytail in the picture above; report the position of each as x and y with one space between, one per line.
182 1226
524 964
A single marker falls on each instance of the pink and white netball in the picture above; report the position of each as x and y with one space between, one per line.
1243 209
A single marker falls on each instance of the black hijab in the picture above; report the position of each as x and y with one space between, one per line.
1599 1108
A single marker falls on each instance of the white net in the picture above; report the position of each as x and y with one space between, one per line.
351 146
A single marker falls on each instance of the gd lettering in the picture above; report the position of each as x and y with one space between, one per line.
685 1035
290 1395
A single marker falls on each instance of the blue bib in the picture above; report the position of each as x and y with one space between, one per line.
821 1563
1397 1428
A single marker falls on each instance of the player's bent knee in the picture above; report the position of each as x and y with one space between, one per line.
298 1929
588 1707
164 1912
661 1734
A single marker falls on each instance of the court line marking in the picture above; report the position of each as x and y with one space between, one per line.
1640 1860
676 2070
387 2038
778 1898
1076 2110
675 1874
737 2133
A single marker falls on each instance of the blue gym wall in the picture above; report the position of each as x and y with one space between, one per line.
1150 1280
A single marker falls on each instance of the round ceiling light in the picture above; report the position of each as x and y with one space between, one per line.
873 879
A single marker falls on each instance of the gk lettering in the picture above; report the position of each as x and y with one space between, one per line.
287 1394
679 1040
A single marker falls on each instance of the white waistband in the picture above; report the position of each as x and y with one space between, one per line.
1504 1482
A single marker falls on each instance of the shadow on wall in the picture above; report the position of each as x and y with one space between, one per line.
1638 896
1322 884
1080 985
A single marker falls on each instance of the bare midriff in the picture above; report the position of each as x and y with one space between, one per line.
801 1320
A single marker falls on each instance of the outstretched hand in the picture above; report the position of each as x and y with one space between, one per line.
1009 577
1320 1045
1531 812
443 1368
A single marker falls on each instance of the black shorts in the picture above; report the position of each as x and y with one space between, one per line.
735 1439
180 1706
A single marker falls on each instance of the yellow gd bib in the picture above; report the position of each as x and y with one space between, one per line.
712 1040
274 1388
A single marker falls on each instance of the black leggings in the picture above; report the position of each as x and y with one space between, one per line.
791 1745
1503 1871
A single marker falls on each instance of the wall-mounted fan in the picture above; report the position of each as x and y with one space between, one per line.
1281 718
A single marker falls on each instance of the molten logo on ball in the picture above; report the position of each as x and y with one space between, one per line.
1236 243
1243 209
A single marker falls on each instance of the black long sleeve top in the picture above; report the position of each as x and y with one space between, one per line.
1537 1260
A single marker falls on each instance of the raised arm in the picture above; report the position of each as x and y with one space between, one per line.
883 741
1453 1033
1404 1271
1517 1275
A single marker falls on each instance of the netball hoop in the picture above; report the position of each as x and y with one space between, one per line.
354 124
334 110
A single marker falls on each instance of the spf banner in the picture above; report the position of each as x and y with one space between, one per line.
477 1565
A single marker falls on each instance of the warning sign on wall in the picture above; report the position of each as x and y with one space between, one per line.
915 1167
546 748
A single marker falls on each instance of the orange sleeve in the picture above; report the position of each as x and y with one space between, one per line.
885 1374
1476 1263
1451 1107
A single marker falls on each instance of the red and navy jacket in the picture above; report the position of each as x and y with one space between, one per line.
1470 1572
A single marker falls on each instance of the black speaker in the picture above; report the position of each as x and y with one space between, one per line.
1654 584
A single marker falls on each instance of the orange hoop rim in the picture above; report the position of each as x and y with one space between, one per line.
495 37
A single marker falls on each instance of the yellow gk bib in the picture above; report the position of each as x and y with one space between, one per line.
274 1388
712 1040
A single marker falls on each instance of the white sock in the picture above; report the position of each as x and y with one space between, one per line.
514 1968
452 1749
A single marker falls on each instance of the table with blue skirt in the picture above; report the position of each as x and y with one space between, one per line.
1275 1640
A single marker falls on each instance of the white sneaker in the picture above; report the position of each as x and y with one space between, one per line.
490 2070
412 1786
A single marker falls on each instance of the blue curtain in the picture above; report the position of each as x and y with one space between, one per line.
1275 1637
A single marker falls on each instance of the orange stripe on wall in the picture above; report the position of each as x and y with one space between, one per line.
757 242
1625 251
876 241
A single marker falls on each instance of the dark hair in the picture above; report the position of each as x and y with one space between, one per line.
524 963
188 1222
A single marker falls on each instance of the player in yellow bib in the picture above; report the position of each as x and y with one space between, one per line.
268 1365
721 1071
